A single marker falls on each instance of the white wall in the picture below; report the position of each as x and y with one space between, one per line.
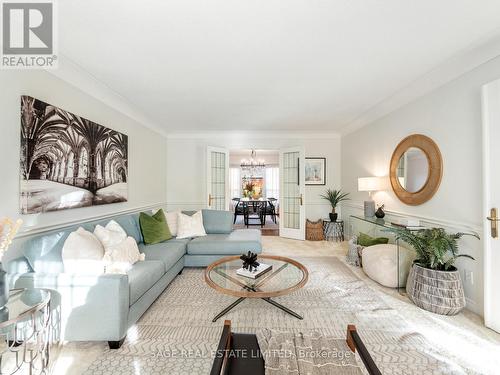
451 116
186 165
147 149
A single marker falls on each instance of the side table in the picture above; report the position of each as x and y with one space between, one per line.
26 332
333 230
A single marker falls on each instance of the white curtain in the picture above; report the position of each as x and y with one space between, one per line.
272 182
235 182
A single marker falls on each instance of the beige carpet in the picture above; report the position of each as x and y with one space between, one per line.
176 335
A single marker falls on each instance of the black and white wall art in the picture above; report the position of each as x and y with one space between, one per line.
68 161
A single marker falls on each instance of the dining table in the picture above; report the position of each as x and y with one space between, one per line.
258 209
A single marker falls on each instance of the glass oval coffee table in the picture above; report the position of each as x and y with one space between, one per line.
286 276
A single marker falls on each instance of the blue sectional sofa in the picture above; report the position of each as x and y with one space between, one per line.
102 308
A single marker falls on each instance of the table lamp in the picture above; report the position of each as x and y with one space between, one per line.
370 184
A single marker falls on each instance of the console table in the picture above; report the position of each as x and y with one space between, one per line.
26 332
377 223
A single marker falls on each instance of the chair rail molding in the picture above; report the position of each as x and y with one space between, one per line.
46 228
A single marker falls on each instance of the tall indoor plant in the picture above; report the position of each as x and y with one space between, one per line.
334 197
434 282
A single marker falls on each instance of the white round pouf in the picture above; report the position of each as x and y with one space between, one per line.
380 264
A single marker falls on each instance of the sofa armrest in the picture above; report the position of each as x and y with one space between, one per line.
91 307
17 265
15 268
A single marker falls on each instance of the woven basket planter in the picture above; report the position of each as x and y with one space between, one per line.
440 292
314 230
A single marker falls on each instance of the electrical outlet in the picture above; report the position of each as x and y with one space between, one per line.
469 277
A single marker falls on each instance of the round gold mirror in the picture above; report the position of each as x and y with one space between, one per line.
416 169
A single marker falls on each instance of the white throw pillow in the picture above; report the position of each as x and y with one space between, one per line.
190 226
111 235
82 253
119 258
172 221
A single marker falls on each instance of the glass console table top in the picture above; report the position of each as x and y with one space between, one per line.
377 221
22 304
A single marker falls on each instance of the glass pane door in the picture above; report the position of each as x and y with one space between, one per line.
292 211
218 175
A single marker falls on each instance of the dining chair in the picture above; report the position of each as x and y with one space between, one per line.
271 209
240 209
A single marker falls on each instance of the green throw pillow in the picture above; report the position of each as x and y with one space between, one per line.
154 228
366 240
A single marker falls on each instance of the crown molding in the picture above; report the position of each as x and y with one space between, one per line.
477 54
74 74
256 134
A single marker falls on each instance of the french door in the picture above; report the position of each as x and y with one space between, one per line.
217 178
491 203
292 184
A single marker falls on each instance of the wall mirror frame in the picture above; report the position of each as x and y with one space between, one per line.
434 170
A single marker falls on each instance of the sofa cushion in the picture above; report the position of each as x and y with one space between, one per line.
237 242
366 240
44 252
190 226
128 223
154 228
168 252
216 222
142 276
120 257
82 253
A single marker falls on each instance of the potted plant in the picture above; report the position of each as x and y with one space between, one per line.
434 282
334 197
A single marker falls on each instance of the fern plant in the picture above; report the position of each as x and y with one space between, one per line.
435 248
334 197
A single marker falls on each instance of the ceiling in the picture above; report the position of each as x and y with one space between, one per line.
279 65
270 157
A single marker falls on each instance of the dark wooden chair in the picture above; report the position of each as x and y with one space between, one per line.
271 209
256 213
229 359
240 209
237 354
354 343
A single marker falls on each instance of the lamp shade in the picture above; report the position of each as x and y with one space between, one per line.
370 183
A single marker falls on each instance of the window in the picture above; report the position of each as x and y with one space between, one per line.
272 183
234 183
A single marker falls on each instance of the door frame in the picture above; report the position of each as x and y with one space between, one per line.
208 191
490 101
300 233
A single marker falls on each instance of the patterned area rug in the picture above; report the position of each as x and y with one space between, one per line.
177 336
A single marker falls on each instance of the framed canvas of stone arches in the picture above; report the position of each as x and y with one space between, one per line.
68 161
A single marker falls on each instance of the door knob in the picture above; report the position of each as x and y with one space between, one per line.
210 200
493 218
301 200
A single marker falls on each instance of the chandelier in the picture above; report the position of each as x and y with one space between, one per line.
252 165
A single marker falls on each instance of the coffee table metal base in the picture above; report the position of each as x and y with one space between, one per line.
269 300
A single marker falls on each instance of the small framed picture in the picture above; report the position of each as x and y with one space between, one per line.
315 171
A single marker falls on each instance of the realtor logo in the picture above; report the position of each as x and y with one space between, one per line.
28 35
